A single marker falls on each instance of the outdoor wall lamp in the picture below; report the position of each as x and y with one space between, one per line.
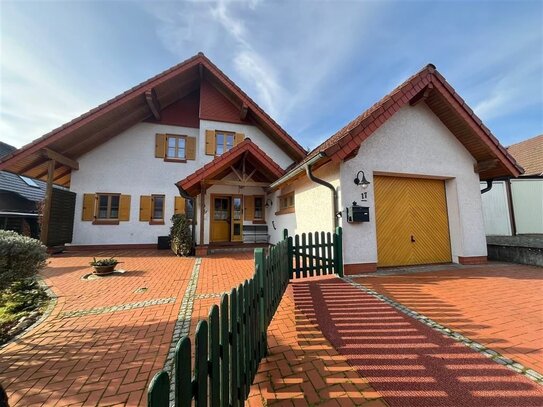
364 183
269 203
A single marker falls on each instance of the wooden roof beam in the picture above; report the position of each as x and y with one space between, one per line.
61 159
243 111
422 95
486 165
153 103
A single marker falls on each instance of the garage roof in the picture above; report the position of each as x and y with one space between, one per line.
429 86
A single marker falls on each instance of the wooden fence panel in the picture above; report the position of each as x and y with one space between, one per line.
229 346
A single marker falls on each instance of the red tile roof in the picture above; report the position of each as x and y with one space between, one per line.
269 168
529 154
346 142
130 108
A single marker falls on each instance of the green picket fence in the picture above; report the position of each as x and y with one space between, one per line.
316 254
229 346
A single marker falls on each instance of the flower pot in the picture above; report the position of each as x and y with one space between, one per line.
104 270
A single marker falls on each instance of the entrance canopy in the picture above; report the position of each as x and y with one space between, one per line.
252 168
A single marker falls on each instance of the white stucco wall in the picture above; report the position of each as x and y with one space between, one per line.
126 164
313 205
414 142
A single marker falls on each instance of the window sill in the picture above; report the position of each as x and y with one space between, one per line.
156 222
259 222
285 211
105 222
175 160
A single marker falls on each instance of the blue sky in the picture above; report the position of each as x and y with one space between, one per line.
312 65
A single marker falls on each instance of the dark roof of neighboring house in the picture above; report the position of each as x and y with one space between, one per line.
85 132
6 149
14 183
430 86
529 154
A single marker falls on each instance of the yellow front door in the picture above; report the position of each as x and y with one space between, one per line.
220 219
412 221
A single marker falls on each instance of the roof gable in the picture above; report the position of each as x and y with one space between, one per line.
430 87
264 167
85 132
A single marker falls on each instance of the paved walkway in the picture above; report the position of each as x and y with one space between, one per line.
105 338
304 369
408 362
499 305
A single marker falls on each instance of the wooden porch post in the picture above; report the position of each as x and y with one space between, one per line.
46 215
202 208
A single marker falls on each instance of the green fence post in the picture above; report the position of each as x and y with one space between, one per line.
339 251
225 353
234 342
260 276
285 233
158 394
290 259
214 357
200 364
183 373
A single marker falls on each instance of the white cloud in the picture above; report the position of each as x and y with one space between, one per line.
511 92
32 97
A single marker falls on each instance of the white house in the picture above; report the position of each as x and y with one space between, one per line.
190 141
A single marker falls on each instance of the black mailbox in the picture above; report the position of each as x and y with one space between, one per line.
357 213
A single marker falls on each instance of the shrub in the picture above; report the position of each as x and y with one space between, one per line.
20 257
180 235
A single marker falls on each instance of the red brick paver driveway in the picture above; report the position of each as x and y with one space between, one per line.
100 356
499 304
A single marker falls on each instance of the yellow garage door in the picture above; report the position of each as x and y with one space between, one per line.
412 221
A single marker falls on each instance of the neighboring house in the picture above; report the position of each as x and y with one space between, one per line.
529 154
190 141
19 200
515 206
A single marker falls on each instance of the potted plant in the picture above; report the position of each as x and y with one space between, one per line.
103 266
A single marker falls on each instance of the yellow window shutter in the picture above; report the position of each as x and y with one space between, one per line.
179 205
88 207
210 142
238 138
249 205
145 208
160 145
124 208
190 148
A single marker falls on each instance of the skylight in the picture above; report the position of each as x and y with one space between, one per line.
29 181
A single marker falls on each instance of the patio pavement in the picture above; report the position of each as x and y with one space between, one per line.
107 337
499 304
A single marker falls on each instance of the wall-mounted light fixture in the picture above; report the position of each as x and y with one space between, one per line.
269 203
364 183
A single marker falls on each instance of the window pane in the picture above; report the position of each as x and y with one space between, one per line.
114 213
258 208
236 206
219 143
171 152
189 210
229 141
171 141
181 148
158 207
102 206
